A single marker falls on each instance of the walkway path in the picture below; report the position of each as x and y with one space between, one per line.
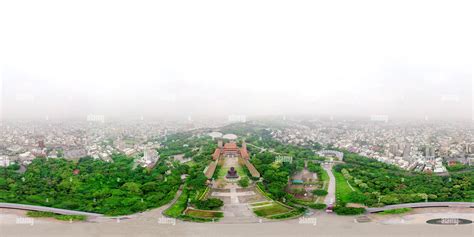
236 204
233 194
150 215
330 198
263 149
161 209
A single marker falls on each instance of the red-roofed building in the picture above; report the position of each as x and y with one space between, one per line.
231 150
244 153
217 154
230 146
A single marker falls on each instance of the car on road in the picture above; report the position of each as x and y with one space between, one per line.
329 209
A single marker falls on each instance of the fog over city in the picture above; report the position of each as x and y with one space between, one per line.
412 59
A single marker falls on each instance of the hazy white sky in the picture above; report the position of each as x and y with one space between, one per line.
154 58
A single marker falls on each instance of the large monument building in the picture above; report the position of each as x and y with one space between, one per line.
231 150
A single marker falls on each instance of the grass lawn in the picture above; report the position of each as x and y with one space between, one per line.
325 177
240 171
56 216
178 208
204 214
260 204
343 191
191 163
396 211
273 209
223 172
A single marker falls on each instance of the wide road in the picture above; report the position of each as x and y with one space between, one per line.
421 205
327 225
330 198
47 209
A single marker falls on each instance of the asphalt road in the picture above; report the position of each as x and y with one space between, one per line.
331 196
320 224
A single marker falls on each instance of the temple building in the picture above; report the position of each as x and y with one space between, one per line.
231 150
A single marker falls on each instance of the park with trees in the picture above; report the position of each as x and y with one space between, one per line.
111 188
377 184
119 187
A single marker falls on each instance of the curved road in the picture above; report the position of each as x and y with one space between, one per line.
330 198
47 209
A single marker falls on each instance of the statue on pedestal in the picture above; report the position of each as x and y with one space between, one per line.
232 173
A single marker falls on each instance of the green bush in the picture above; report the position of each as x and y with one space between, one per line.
347 211
209 204
396 211
320 192
244 182
70 217
197 219
179 206
288 215
318 206
40 214
56 216
456 167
